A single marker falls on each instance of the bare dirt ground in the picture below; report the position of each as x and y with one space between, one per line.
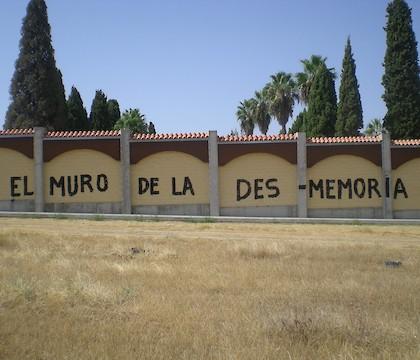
72 289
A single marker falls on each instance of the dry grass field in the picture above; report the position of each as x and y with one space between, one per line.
75 290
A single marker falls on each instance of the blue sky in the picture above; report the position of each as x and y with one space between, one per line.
187 63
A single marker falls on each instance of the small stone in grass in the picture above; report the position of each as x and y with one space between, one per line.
393 263
135 250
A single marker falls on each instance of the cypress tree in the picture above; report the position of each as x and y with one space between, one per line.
299 123
77 115
349 111
36 91
321 116
62 112
114 113
401 78
99 112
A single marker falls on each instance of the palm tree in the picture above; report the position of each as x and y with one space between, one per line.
246 116
305 79
261 111
374 128
282 94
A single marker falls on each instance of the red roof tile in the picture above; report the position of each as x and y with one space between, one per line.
82 134
412 142
344 140
16 132
204 135
243 138
200 135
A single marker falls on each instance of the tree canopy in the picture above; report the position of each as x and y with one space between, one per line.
37 91
134 120
246 117
77 115
321 116
114 113
401 78
349 110
99 112
282 95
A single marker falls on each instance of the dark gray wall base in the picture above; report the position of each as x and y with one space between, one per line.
196 209
357 213
407 214
261 211
17 205
96 208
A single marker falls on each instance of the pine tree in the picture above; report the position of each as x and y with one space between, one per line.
322 105
36 91
99 112
114 113
77 115
401 78
349 111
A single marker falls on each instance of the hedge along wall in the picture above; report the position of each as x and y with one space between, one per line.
285 175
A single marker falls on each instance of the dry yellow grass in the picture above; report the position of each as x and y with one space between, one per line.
74 290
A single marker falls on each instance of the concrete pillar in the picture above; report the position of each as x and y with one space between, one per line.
302 205
214 173
125 170
39 133
386 176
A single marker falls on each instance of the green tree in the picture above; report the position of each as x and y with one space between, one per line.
321 116
61 120
349 111
114 113
99 112
282 94
299 123
261 111
134 120
152 129
374 127
245 115
37 91
305 79
401 78
77 115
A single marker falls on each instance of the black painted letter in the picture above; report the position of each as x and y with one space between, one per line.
240 197
75 189
58 184
143 185
102 187
14 186
400 189
273 187
85 180
317 187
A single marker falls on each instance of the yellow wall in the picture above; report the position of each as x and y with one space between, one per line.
344 167
257 166
15 164
409 173
81 162
164 166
